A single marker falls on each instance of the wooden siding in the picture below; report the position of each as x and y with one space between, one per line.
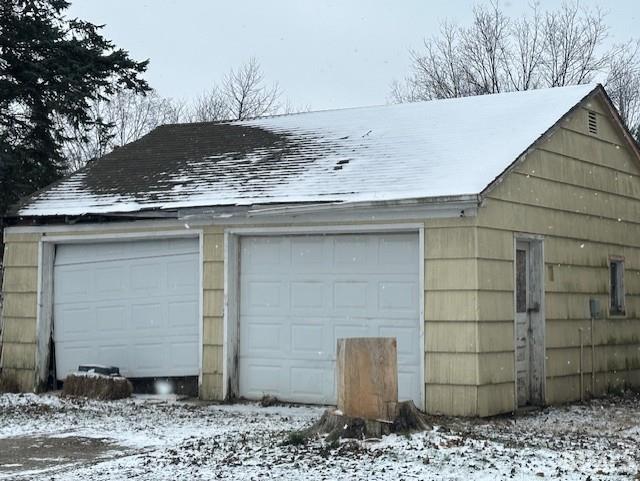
581 192
213 311
451 315
20 285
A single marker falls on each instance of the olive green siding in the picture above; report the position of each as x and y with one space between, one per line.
581 192
20 285
451 316
213 310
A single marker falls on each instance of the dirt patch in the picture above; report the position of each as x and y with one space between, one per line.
26 453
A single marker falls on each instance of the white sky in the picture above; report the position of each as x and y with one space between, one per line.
324 53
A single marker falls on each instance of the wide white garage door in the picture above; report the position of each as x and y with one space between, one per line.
128 304
299 294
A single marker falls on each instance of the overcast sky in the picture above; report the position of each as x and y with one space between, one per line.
324 53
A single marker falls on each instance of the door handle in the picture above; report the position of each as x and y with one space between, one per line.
535 307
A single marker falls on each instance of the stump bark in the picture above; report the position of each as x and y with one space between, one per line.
337 425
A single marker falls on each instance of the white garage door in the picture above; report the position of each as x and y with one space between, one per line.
299 294
128 304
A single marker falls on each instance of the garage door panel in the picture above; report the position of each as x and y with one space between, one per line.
78 322
265 253
73 254
130 304
183 355
179 246
299 294
110 318
106 353
259 377
307 340
73 352
308 254
181 277
181 315
350 295
397 296
308 382
306 294
400 253
351 252
147 355
147 316
146 276
264 338
262 296
74 281
109 280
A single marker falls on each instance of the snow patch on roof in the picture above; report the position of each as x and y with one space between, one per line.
427 149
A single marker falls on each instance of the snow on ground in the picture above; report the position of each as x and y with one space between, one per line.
147 438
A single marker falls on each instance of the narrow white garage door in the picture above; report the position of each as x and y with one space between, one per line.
299 294
128 304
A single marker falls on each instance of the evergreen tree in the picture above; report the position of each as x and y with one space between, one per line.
51 69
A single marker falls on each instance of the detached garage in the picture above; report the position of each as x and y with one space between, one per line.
497 238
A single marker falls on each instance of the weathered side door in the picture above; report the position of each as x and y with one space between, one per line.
529 321
522 323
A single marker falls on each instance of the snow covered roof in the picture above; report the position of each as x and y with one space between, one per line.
452 147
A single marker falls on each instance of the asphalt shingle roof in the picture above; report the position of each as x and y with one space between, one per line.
439 148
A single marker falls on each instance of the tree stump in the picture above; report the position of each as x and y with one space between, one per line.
367 377
337 425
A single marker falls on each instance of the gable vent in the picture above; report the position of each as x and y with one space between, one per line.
593 123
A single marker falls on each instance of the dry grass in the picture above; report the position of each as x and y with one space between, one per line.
97 387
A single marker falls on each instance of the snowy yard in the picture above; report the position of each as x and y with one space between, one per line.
45 437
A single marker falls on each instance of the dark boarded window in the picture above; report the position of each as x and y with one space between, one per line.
616 292
521 280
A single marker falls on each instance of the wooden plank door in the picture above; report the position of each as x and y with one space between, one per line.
523 323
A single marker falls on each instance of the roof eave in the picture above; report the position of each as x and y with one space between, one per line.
413 208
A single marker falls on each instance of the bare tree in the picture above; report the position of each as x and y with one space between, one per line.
242 94
118 120
247 94
623 84
125 117
526 56
288 107
572 39
483 50
496 53
209 106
